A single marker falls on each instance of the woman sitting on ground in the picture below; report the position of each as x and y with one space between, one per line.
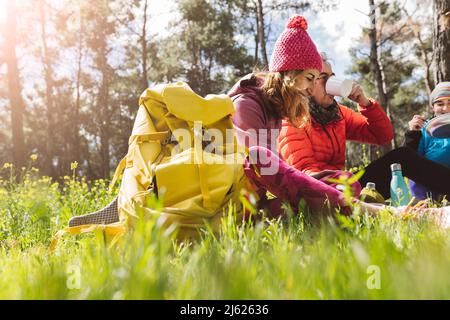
434 149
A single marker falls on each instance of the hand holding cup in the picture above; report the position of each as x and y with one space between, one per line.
338 87
357 95
416 123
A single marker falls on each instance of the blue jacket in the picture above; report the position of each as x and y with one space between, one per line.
435 149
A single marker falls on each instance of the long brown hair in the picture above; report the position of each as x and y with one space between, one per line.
283 98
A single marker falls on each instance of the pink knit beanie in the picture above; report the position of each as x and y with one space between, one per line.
294 49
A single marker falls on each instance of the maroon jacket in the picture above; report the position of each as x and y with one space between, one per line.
254 126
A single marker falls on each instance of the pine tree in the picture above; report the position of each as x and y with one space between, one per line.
441 40
17 106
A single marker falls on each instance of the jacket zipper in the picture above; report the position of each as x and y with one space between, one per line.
329 137
337 142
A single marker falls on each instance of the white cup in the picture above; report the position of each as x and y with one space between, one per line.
338 87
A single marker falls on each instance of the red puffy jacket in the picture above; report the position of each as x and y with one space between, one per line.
314 147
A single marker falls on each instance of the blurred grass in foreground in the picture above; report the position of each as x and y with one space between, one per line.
302 257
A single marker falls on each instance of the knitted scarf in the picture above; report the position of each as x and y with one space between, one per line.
324 115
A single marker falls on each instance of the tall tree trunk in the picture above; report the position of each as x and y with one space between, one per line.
144 79
105 114
424 60
48 75
98 29
76 112
261 32
377 68
256 58
441 40
14 87
104 150
426 64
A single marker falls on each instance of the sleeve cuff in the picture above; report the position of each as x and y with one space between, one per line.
370 105
414 134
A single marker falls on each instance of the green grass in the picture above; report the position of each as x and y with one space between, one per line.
300 258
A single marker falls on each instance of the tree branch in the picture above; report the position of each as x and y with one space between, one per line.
359 51
288 5
122 22
393 34
357 10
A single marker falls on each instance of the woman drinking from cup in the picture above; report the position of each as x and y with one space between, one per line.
319 147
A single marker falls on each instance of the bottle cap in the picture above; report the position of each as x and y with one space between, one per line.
370 185
396 167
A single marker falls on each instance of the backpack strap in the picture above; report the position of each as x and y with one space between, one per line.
203 175
118 173
116 230
162 136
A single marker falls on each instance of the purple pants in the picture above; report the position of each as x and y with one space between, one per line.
292 185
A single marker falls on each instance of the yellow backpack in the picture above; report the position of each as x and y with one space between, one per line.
169 155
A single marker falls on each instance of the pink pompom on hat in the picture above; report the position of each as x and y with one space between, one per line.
294 49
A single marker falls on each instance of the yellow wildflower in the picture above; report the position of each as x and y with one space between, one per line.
7 165
73 165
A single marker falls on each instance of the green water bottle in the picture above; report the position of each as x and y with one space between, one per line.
399 190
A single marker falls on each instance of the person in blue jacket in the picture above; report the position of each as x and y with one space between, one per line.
435 149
